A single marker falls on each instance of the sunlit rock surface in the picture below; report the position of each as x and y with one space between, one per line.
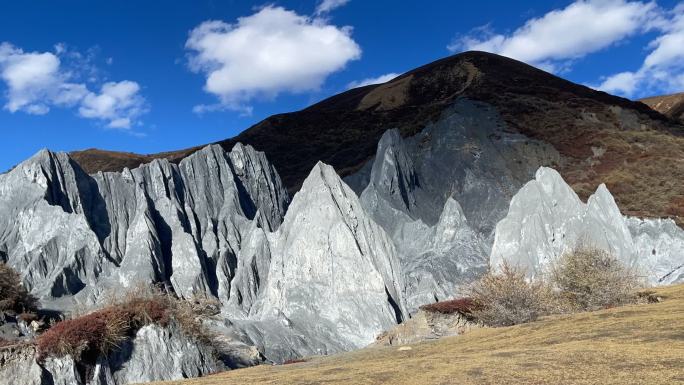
440 194
327 280
154 354
659 245
546 219
72 234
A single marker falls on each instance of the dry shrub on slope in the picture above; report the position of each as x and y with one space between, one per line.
507 298
589 278
13 295
583 279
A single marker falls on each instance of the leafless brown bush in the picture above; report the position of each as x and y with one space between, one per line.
13 295
588 278
507 298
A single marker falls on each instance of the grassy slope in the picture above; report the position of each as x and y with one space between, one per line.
641 344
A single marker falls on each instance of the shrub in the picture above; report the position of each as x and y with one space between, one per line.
13 295
463 306
151 305
99 332
85 337
589 279
102 331
506 298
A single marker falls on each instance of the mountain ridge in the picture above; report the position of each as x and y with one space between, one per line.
600 137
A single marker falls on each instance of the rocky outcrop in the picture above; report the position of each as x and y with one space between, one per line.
332 267
546 219
425 326
659 246
440 193
209 226
154 354
75 235
158 354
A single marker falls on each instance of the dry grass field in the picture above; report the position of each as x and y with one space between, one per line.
639 344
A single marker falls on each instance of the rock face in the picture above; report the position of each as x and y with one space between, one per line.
173 356
209 226
327 280
546 219
333 267
425 326
659 245
440 193
77 235
154 354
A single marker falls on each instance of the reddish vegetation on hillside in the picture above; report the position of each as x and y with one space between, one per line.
463 306
99 332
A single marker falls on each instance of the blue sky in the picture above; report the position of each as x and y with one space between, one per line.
149 76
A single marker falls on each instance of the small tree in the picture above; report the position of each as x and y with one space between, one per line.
13 295
589 278
507 298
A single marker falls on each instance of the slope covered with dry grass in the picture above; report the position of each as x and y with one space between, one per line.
639 344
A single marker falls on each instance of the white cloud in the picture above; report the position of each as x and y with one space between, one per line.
624 83
118 103
376 80
326 6
272 51
583 27
38 81
662 71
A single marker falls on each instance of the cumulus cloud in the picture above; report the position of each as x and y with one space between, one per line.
37 81
272 51
118 103
554 41
326 6
376 80
581 28
662 69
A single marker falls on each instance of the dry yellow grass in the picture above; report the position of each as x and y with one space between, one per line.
640 344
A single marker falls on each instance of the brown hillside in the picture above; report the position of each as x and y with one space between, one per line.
669 105
637 151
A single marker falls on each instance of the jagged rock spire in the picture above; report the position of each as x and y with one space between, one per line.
333 266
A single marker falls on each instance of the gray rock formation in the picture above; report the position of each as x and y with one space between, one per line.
19 367
440 193
659 246
210 225
158 354
467 154
332 266
327 280
339 267
546 219
154 354
77 235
